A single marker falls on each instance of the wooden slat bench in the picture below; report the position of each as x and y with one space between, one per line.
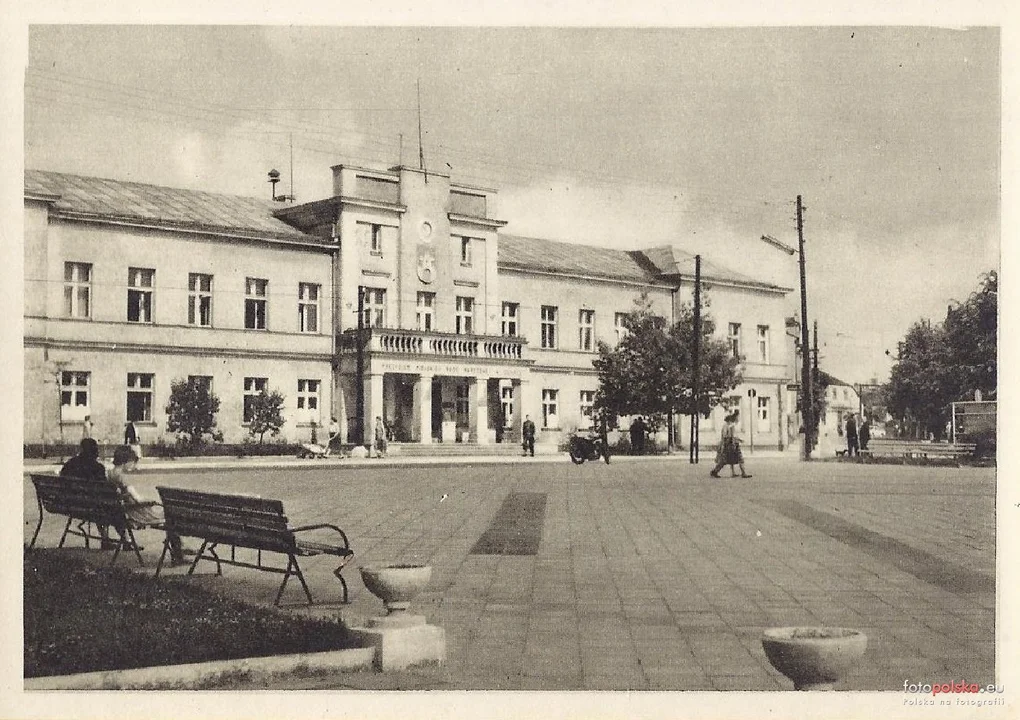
917 450
89 502
244 521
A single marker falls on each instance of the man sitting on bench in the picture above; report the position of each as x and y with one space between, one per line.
86 465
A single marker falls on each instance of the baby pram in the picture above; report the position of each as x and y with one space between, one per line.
314 450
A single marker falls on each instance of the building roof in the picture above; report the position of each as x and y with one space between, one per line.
831 380
664 264
130 201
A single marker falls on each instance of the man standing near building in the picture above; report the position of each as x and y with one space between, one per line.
380 437
865 433
528 432
852 446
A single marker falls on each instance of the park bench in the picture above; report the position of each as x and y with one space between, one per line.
910 450
247 522
89 502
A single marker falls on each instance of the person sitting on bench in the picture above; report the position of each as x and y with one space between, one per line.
86 465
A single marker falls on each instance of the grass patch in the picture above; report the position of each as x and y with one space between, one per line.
80 618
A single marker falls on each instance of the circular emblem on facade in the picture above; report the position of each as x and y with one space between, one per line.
426 267
425 231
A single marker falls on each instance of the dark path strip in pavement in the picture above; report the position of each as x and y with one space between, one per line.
516 528
920 564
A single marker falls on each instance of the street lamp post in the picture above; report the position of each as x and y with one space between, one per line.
751 414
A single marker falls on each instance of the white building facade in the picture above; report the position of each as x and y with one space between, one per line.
399 297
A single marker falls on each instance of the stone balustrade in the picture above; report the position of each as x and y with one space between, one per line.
411 342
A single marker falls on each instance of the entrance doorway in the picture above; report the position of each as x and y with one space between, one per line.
437 408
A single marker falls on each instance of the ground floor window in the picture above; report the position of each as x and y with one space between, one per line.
139 397
74 395
764 415
252 387
587 403
308 401
550 408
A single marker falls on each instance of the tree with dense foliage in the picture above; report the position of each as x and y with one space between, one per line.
266 412
191 411
938 364
649 373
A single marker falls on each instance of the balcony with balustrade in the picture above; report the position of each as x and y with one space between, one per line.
432 345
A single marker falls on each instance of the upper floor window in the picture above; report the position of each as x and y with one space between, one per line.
308 307
139 297
733 337
586 330
426 311
465 251
139 397
77 289
256 292
511 311
371 234
549 316
619 326
763 343
200 299
374 307
465 315
203 381
74 395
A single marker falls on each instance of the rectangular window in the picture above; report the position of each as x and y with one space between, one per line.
374 307
308 307
511 312
549 315
139 397
465 251
74 395
201 381
252 387
764 415
763 344
139 297
308 401
370 235
586 405
256 292
200 299
619 327
77 290
463 404
426 311
734 340
586 330
465 315
506 401
550 408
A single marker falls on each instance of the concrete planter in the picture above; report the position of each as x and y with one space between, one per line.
814 658
396 585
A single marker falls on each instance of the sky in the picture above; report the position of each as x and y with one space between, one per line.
614 136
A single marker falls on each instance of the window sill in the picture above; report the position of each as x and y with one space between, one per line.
375 253
466 264
551 429
143 423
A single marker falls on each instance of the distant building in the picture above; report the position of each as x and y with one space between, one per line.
399 297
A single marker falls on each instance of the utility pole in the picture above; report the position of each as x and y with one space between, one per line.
359 395
696 368
807 409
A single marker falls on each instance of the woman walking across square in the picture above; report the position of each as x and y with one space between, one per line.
729 448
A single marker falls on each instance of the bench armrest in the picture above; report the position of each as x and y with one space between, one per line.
324 526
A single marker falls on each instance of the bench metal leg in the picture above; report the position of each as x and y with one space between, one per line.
162 556
134 546
63 537
342 582
293 569
38 527
198 556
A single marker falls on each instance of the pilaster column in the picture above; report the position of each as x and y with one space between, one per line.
373 405
422 410
478 409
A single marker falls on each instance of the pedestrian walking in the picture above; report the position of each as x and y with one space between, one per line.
865 433
528 434
852 442
729 452
334 434
86 427
380 437
637 436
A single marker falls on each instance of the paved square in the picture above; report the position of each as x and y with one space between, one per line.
648 575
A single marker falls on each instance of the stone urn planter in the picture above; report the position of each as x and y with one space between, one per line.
814 658
396 585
